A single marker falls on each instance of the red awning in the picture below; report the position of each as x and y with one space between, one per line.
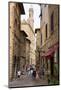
50 51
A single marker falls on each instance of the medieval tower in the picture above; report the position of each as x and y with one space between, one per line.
31 18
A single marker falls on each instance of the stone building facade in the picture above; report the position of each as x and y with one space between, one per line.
15 11
31 36
49 39
22 49
37 34
27 51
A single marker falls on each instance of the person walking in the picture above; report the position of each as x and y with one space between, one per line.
19 73
43 72
31 71
34 74
37 74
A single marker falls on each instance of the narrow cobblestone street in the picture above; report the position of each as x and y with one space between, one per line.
28 81
34 45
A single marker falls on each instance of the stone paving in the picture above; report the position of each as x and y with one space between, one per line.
27 81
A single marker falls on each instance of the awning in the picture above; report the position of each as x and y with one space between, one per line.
50 51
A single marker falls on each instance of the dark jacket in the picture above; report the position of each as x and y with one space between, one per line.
34 73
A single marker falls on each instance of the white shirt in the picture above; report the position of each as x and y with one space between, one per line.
19 72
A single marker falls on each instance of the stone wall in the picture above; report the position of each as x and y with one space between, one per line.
31 36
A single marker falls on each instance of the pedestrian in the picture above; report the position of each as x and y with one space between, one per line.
43 72
34 74
28 71
37 75
19 73
31 69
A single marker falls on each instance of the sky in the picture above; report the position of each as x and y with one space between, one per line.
36 9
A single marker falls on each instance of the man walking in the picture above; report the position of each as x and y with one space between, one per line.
19 73
34 74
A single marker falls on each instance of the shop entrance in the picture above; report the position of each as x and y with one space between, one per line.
52 65
16 66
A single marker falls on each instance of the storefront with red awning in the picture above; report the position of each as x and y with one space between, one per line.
51 57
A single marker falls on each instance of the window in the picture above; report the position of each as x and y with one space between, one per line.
46 64
46 31
52 23
29 14
40 14
58 55
15 23
45 5
41 39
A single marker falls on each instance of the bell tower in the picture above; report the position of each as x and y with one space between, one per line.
31 18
